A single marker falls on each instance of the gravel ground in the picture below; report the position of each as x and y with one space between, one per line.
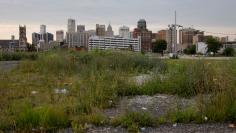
180 128
157 105
8 65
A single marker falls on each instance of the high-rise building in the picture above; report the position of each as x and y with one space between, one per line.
60 36
100 30
79 39
145 34
22 38
35 38
142 24
168 36
109 32
48 37
43 29
80 28
71 26
186 37
42 39
124 32
162 35
198 37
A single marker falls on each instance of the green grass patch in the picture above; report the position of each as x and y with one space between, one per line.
133 121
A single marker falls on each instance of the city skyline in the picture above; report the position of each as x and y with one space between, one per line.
213 15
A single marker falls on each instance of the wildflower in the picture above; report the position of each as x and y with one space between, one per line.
175 125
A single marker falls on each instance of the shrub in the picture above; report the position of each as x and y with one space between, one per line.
190 50
16 56
46 117
186 116
229 52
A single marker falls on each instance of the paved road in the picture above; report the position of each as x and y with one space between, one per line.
8 65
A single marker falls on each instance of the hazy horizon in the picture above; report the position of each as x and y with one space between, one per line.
211 15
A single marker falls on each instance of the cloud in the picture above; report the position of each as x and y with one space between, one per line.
158 13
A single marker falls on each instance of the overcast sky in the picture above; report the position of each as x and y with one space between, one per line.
208 15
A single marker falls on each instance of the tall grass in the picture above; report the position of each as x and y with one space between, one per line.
96 80
92 80
133 121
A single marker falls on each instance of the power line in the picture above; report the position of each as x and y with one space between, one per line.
228 34
215 33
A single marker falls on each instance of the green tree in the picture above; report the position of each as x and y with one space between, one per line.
213 45
229 52
159 46
190 50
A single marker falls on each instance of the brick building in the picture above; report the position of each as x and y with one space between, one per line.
145 34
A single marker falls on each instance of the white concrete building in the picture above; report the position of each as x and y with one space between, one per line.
105 43
124 32
201 48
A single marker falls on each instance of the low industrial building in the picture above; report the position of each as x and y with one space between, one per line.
120 43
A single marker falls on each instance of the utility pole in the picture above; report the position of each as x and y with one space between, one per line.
175 35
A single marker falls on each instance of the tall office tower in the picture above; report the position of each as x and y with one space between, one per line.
100 30
124 32
80 28
60 36
162 35
145 34
22 37
48 37
109 32
43 29
71 26
35 38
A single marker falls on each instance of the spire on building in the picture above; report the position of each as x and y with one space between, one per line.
109 31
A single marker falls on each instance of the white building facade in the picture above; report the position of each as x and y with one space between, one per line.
201 48
119 43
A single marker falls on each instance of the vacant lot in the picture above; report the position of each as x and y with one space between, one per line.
70 90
